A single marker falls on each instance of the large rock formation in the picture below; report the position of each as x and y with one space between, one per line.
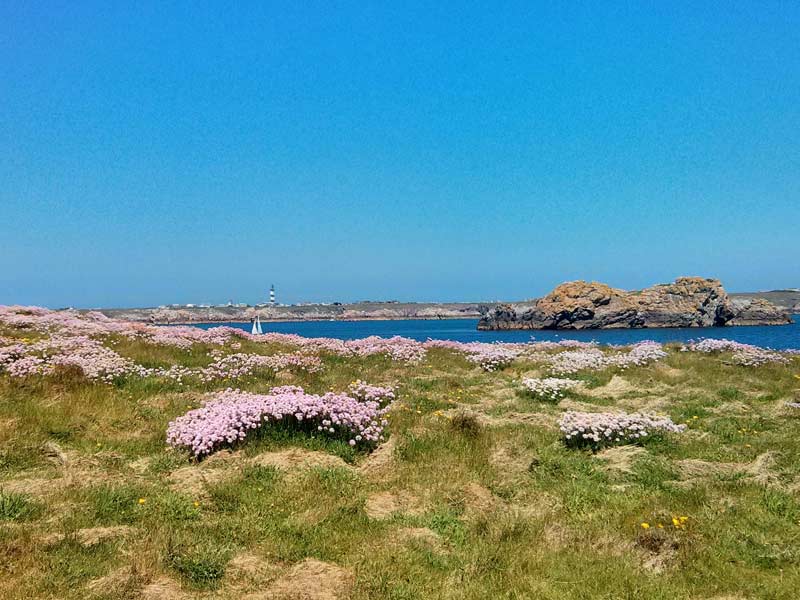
688 302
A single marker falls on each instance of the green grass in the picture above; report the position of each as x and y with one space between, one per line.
17 507
202 564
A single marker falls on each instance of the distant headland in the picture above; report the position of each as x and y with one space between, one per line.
334 311
687 302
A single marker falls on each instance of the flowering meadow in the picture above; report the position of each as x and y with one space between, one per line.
140 461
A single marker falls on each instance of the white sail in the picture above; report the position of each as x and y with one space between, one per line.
258 326
255 330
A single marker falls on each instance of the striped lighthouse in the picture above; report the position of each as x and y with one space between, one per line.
272 295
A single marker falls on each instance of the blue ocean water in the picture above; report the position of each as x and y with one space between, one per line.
779 337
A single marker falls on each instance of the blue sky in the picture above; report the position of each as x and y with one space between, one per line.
184 153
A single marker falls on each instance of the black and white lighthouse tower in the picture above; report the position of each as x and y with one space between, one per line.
272 295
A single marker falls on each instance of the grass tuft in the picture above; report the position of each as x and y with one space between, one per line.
17 507
200 564
466 424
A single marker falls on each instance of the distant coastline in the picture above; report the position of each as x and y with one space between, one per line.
309 320
359 311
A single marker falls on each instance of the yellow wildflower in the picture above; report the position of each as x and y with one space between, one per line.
645 525
142 500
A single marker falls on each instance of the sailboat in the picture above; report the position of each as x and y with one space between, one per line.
257 326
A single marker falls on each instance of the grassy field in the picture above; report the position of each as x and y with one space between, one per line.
473 495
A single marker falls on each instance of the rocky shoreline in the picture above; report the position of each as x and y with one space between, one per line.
687 302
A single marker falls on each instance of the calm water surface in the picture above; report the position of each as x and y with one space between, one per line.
463 330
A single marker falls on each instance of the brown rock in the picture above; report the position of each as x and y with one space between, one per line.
757 312
688 302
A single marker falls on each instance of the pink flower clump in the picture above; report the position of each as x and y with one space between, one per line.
363 391
490 357
41 357
397 348
549 388
229 416
745 355
755 357
713 345
493 359
235 366
606 429
185 337
594 359
572 361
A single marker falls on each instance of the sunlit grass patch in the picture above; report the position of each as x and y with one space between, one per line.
446 521
201 564
730 393
117 504
20 457
249 491
70 565
17 507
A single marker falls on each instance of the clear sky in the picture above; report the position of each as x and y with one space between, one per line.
176 152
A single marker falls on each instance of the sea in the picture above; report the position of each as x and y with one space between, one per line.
778 337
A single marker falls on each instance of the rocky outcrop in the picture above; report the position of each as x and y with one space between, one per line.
788 299
757 311
688 302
